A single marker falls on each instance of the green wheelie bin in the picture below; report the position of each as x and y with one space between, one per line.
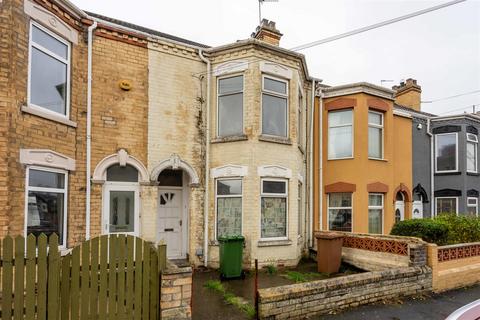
231 253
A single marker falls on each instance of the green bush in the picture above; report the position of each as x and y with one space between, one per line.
442 230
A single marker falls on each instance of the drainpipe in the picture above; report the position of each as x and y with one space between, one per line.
320 159
310 178
207 160
89 129
432 170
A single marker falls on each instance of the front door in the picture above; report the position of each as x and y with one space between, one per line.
121 208
399 210
170 221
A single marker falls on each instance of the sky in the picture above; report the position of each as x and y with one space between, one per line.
440 49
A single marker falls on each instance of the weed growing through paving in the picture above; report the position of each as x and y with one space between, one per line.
304 276
230 298
271 269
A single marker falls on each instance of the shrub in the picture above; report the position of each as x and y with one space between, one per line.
442 230
430 230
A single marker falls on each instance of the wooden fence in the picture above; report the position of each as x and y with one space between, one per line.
109 277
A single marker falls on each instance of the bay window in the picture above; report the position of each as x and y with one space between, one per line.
472 152
230 106
446 205
375 213
229 207
340 134
274 196
274 107
340 212
46 202
375 135
49 71
446 152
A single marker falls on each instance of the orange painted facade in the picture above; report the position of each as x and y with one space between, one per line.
359 174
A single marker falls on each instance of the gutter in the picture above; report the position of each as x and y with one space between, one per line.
89 130
432 169
320 159
207 160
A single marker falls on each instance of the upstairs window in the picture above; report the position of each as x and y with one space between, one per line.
340 134
230 106
472 152
274 107
49 71
446 152
375 135
300 120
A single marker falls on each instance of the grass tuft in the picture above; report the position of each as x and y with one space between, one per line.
230 298
271 269
215 285
296 276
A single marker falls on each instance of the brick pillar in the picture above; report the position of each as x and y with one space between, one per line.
176 293
433 263
418 255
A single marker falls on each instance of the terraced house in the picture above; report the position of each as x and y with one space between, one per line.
110 127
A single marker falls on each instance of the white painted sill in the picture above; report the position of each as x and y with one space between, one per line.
274 243
47 115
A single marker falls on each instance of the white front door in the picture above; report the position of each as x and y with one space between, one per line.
399 210
170 221
417 209
121 208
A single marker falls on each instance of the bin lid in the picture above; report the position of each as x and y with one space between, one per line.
231 238
328 235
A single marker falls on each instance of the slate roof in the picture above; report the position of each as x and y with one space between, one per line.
404 108
146 30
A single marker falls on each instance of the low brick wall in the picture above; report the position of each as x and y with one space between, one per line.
299 301
176 293
380 252
454 266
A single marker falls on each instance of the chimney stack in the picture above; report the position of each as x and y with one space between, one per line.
408 94
268 33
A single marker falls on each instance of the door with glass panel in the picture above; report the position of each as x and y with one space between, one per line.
121 201
399 207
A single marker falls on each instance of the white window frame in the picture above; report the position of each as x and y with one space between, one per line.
436 152
275 195
474 205
382 207
67 62
300 115
226 196
339 126
436 204
221 95
28 188
279 95
472 139
382 130
328 209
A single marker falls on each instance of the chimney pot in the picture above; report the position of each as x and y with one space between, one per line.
267 32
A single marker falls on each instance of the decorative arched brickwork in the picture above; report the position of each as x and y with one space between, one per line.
340 187
378 104
341 103
405 191
377 187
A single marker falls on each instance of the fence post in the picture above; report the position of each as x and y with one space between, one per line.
162 256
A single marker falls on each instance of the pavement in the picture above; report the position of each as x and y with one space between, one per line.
432 307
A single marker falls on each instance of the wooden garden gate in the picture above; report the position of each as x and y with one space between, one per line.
109 277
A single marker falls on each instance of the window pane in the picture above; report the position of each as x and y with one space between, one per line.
172 178
274 115
274 217
340 200
340 142
122 212
230 85
375 200
446 152
229 216
275 85
45 179
49 42
472 201
45 213
374 118
472 211
471 156
229 187
447 205
340 118
340 219
274 187
125 174
374 221
48 82
230 114
375 142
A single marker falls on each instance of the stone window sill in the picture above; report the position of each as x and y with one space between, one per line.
473 174
47 115
280 140
377 159
274 243
242 137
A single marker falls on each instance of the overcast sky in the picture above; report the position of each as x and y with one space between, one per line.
440 49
